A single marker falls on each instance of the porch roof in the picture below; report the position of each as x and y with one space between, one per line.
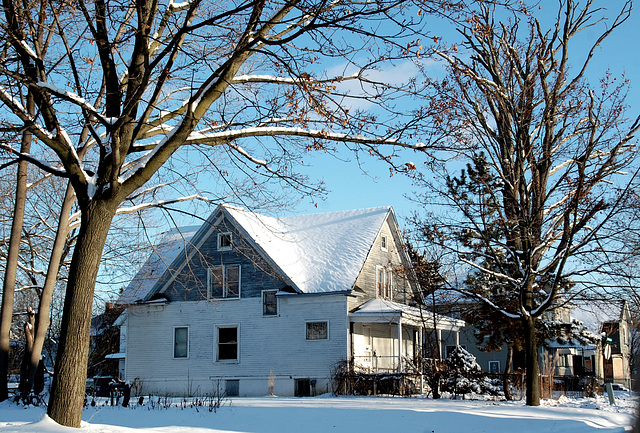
383 311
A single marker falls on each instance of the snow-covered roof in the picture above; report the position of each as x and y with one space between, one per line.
173 242
319 253
381 310
594 313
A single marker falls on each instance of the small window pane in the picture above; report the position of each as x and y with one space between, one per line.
224 241
232 281
216 281
317 331
269 303
227 343
180 342
232 388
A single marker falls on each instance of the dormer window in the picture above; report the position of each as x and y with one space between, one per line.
224 241
384 243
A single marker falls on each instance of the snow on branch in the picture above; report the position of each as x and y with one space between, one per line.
43 165
254 78
76 99
75 218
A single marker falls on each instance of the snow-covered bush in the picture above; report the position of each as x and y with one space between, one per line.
463 375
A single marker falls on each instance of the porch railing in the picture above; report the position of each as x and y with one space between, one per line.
383 364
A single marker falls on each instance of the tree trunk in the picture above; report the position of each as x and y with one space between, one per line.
507 371
11 266
69 382
42 319
26 356
532 366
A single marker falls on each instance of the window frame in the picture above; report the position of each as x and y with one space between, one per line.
221 236
383 283
175 328
225 288
384 242
216 345
494 362
310 322
264 304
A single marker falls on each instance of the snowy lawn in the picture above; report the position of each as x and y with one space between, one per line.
341 414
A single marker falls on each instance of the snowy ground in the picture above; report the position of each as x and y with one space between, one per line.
340 414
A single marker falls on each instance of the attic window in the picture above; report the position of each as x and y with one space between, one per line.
384 243
383 282
224 282
225 241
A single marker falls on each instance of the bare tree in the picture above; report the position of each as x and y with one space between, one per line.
557 148
146 79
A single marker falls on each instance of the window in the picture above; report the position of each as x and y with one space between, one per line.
181 342
224 241
224 281
494 366
227 343
317 331
383 282
269 303
232 388
449 349
384 243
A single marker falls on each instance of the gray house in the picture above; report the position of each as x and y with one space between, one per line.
250 304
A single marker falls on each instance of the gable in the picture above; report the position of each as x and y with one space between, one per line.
222 248
388 252
319 253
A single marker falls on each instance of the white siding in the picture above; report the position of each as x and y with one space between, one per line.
267 345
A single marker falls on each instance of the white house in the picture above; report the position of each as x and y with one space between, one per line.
250 304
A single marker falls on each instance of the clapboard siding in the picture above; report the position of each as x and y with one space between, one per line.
391 259
190 280
268 345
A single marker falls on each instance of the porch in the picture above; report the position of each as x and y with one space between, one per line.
388 337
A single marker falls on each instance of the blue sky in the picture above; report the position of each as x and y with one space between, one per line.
370 185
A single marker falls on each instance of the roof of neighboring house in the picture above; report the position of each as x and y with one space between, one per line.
317 253
163 254
594 313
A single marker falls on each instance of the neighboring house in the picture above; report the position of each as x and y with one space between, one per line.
610 319
251 304
105 337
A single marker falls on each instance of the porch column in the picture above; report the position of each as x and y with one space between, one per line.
400 345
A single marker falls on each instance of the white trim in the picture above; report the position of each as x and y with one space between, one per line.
494 362
306 324
173 346
216 334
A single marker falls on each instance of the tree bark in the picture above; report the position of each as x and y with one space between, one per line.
42 319
532 366
26 356
68 389
507 371
8 288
